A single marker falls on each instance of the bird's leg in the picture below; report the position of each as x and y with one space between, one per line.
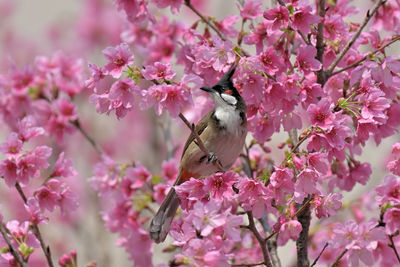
212 158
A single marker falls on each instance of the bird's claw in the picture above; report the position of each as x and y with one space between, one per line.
212 158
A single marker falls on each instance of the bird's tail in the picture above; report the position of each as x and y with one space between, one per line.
161 223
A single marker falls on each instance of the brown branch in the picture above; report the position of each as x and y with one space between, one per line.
394 247
36 231
260 239
301 140
394 39
211 25
320 254
90 139
247 264
199 142
367 18
320 46
304 217
339 258
273 251
204 19
13 250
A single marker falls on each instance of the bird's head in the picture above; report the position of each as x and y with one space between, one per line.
224 93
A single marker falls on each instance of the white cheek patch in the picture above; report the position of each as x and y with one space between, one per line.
229 99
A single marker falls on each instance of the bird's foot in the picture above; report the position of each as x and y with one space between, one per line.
212 158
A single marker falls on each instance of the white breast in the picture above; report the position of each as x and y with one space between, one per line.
228 118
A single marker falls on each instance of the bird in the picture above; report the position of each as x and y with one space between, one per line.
223 132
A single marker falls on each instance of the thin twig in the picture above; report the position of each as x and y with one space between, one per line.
273 251
247 264
260 239
339 258
354 37
211 25
91 140
36 231
320 254
199 142
13 250
394 247
204 19
394 39
301 140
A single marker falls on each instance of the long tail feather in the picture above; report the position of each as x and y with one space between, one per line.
161 222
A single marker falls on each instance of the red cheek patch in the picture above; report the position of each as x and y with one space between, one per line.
228 92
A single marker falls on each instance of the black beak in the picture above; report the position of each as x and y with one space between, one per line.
207 89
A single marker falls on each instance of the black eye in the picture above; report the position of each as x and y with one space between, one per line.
218 88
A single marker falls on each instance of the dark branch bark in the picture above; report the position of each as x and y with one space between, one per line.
36 231
13 250
304 217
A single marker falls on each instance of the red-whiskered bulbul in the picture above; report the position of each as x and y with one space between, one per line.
223 132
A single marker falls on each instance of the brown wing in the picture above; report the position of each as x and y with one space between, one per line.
199 129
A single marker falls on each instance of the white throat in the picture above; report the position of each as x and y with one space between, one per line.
229 118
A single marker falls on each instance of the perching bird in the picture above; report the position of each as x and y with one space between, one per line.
223 132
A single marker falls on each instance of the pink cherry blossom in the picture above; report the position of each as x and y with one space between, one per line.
47 198
327 206
289 230
118 58
158 71
306 59
220 185
206 217
167 97
321 114
12 147
303 19
305 184
27 129
251 9
35 213
169 170
189 192
122 91
389 191
392 220
175 4
139 175
63 167
253 195
279 15
226 26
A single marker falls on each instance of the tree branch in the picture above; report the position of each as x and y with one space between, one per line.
204 19
339 258
394 39
199 142
13 250
320 254
91 140
304 217
36 231
273 251
260 239
369 15
394 247
247 264
211 25
320 46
